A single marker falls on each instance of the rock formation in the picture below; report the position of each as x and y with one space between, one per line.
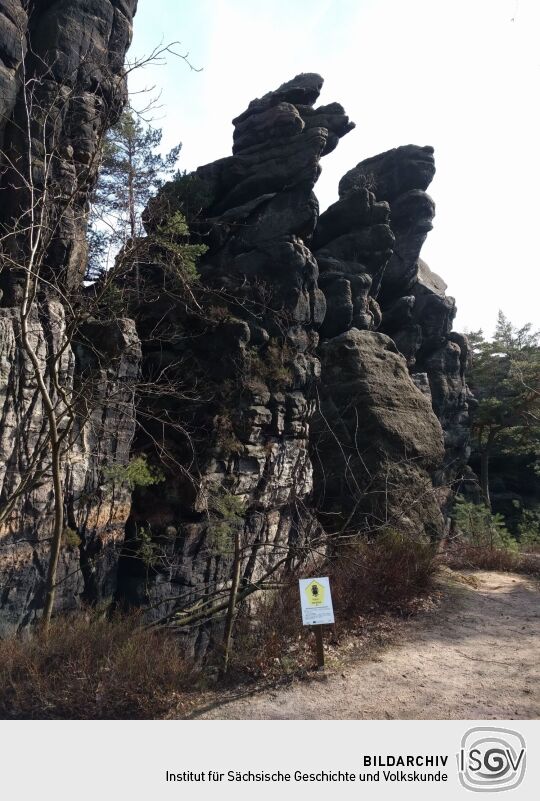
63 63
281 291
106 358
61 75
253 351
300 380
367 245
376 441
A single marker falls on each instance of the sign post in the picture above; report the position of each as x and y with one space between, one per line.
319 646
317 609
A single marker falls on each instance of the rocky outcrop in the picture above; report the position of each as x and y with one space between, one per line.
13 21
353 242
375 442
62 78
368 247
97 374
252 348
72 88
305 374
296 377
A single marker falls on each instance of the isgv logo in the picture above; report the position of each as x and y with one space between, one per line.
491 759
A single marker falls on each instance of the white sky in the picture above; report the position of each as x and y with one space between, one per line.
456 74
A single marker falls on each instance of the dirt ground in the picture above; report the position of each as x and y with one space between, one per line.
476 657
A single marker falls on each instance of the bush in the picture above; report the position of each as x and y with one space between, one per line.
137 473
190 194
70 538
485 543
148 551
384 572
180 257
89 667
368 579
273 365
529 531
464 556
226 513
480 528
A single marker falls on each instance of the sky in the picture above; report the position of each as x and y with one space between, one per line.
460 75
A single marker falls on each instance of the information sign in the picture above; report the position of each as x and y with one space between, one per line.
316 601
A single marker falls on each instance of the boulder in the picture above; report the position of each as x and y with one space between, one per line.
375 442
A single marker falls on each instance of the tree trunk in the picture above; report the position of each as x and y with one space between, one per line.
58 528
55 442
485 454
229 621
484 476
131 203
132 215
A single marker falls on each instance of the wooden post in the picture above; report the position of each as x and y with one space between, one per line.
319 647
231 609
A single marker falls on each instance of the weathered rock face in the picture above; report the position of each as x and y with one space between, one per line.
64 61
71 90
254 351
13 19
289 308
368 248
96 374
353 242
281 291
375 441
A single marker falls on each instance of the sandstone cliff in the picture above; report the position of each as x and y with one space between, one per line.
61 71
367 245
306 383
334 387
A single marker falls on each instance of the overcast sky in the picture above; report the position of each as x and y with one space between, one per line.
461 75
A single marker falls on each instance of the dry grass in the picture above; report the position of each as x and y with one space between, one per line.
386 573
370 581
463 556
90 668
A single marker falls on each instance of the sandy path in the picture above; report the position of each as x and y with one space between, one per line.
477 657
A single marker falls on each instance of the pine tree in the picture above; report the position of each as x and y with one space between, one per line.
505 378
131 172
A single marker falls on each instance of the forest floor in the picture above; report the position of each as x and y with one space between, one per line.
476 656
